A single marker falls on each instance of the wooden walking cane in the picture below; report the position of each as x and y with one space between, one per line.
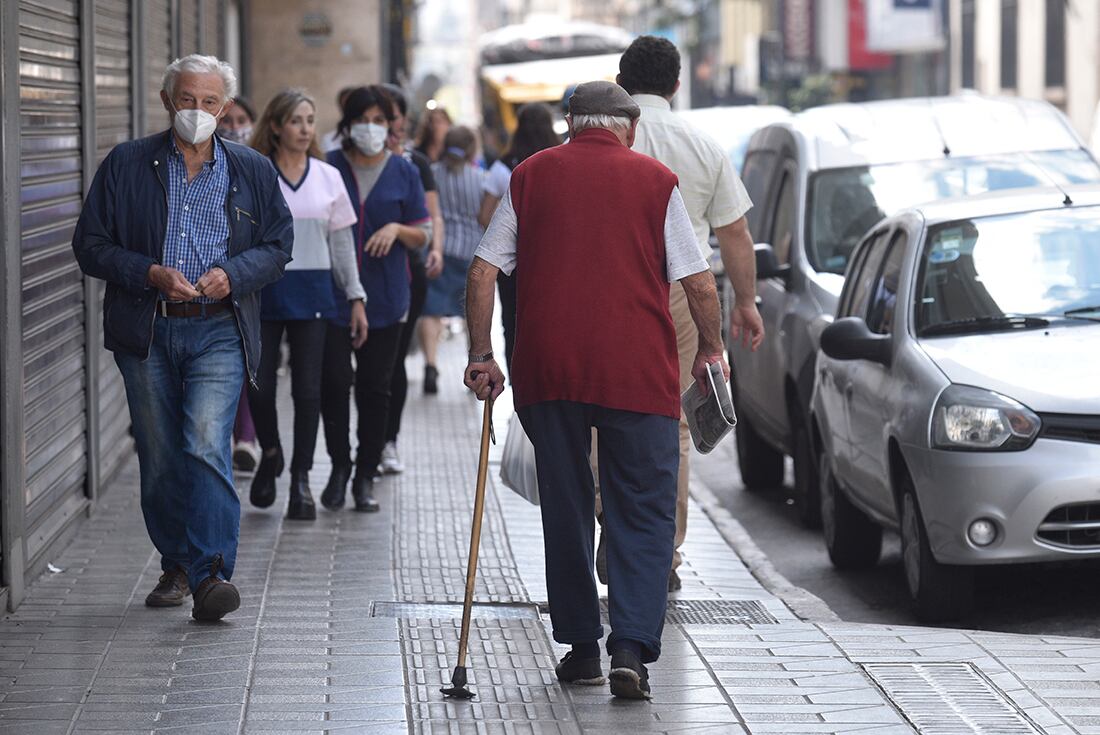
458 688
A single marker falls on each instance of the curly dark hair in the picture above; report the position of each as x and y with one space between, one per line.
650 65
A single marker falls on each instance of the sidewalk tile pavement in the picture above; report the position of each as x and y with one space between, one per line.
350 625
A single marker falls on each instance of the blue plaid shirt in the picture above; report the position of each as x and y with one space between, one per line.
198 229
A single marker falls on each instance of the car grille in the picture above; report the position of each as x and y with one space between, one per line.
1071 427
1075 525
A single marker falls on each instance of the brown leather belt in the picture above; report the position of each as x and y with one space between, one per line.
190 309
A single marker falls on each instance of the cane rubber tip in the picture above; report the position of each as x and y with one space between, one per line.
457 693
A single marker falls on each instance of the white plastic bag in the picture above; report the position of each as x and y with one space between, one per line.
517 466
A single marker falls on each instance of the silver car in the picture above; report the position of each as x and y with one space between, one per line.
819 181
957 397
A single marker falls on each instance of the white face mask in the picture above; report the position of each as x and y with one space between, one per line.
194 126
240 135
369 137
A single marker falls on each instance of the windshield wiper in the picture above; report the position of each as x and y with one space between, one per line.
986 324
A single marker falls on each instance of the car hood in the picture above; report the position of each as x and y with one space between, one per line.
1050 370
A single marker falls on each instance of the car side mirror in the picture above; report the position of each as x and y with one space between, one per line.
850 339
767 265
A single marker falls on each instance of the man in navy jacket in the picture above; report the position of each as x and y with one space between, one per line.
186 229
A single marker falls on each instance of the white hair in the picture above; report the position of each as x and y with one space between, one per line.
607 122
199 64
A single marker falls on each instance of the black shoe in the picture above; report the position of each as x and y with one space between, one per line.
674 583
332 497
431 377
362 492
170 590
629 678
262 494
214 599
573 670
300 507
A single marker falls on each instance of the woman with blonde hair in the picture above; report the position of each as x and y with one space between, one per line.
459 183
300 304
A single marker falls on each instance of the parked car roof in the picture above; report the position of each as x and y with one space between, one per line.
925 128
1008 201
732 126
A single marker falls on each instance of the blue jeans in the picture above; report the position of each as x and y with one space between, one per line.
639 461
183 401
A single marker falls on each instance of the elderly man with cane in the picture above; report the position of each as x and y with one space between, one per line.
596 234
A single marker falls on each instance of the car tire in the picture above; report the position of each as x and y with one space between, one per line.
761 465
806 485
852 539
939 592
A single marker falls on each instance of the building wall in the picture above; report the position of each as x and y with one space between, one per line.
279 56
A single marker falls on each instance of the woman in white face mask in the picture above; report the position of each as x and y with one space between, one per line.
389 197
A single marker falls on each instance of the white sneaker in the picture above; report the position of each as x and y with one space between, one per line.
391 463
246 456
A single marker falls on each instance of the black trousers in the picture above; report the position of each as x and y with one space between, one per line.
507 287
374 363
306 338
399 384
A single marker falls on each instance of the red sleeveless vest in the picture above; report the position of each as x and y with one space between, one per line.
592 319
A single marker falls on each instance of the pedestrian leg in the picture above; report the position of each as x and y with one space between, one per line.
307 345
687 344
212 369
638 464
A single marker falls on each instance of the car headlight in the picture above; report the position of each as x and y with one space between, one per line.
973 419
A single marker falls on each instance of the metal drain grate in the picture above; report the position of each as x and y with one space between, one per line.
705 612
718 612
949 698
450 611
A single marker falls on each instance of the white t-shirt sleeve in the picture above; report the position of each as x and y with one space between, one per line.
342 212
496 181
682 256
498 244
730 201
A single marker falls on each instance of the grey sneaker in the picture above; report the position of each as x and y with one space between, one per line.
391 463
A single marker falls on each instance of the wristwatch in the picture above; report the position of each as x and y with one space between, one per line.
481 358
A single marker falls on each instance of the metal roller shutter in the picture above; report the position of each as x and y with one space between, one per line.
53 291
158 55
112 126
212 42
189 27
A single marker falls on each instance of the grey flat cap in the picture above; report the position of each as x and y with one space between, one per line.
603 98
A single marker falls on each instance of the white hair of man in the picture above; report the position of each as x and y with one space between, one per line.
614 123
199 64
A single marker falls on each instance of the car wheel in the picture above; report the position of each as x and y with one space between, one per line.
761 465
853 540
806 485
938 591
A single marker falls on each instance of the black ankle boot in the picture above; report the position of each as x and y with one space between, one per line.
332 497
300 507
431 380
362 491
262 493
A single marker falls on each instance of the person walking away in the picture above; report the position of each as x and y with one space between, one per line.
186 229
236 126
421 269
434 124
596 233
534 132
715 199
392 220
460 184
300 304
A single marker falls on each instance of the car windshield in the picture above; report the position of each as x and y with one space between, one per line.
846 203
1005 272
